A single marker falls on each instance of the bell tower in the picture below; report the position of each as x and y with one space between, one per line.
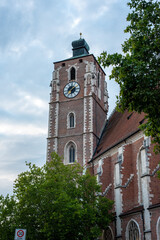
78 106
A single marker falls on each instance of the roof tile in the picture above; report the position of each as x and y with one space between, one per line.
118 127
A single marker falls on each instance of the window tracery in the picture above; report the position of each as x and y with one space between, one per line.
70 153
107 234
133 231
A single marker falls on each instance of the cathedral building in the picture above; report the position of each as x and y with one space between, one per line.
113 148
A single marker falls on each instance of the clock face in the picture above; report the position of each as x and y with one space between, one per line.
71 89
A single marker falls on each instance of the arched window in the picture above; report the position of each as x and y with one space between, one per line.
158 229
72 74
71 120
108 234
71 154
133 231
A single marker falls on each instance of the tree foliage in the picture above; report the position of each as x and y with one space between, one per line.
7 217
55 202
137 70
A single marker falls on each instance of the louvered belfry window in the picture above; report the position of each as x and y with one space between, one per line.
72 74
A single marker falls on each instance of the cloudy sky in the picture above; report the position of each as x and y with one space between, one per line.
34 34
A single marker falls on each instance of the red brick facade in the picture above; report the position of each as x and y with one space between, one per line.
138 190
114 150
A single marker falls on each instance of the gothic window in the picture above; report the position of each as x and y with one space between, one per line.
158 229
133 231
108 235
72 74
71 120
71 154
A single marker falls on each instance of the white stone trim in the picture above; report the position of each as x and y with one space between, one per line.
55 148
90 67
118 209
145 189
107 189
91 114
85 115
84 150
50 120
158 228
91 145
56 118
100 84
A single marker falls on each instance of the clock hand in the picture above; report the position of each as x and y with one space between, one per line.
72 89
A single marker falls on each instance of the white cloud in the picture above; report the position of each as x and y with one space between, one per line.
79 5
4 177
17 50
101 11
39 44
23 102
6 184
24 5
22 129
76 22
21 46
31 103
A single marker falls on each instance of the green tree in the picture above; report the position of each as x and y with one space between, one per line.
137 70
7 217
57 202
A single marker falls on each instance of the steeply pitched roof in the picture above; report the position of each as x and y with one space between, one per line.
118 128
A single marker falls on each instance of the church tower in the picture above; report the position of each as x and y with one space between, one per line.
78 106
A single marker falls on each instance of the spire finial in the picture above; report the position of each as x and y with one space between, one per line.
80 35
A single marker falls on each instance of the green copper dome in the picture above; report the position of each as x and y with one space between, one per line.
80 47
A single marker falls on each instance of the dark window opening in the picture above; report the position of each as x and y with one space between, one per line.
72 154
80 60
129 116
142 121
108 234
63 64
72 74
71 120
